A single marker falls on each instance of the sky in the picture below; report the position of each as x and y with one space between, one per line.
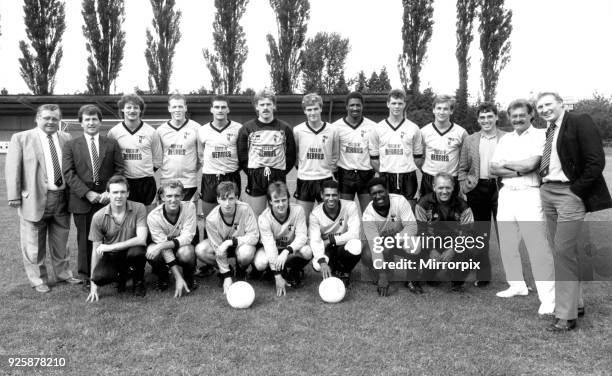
554 46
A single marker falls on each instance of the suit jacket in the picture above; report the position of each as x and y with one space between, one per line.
79 172
469 162
26 172
583 159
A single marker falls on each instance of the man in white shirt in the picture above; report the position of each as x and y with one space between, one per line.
520 215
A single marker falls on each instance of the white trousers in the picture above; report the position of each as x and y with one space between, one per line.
520 215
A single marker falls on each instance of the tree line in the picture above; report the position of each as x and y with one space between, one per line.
315 64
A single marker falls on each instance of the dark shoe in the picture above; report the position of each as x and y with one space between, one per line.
580 311
162 284
72 281
457 287
140 289
294 278
481 284
414 287
560 326
205 271
86 286
121 286
192 285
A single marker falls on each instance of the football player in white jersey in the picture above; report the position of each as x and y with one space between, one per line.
354 168
442 142
140 148
179 140
316 144
334 233
396 148
266 150
218 152
232 233
283 233
388 218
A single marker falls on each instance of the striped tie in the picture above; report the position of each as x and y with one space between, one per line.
545 162
96 160
57 170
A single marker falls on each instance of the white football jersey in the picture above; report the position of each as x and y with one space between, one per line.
344 227
396 146
276 236
141 149
442 150
317 151
354 144
180 152
218 150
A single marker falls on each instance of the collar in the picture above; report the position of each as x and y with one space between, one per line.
483 135
42 133
96 137
527 131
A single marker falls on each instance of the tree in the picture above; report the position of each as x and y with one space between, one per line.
416 33
45 25
466 13
323 61
105 42
160 48
225 64
361 83
284 56
495 29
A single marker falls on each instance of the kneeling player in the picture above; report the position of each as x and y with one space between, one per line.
386 219
119 234
173 226
232 232
282 227
334 234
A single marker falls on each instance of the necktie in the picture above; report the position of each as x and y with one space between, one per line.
57 170
545 162
96 160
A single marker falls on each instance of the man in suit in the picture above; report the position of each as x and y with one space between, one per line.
478 184
35 185
572 185
89 161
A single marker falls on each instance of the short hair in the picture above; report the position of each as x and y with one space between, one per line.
330 184
444 98
396 93
312 99
89 109
225 188
553 93
178 97
277 187
353 95
220 98
486 107
172 184
520 103
376 181
117 179
131 98
263 94
48 107
444 175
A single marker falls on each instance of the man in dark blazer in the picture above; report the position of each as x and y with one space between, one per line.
477 182
36 187
89 161
572 185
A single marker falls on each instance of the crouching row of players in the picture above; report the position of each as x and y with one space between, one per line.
279 242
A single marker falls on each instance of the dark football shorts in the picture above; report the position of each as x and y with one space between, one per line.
142 190
258 180
211 181
404 184
309 190
354 181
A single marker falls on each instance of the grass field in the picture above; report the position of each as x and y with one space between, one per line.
438 333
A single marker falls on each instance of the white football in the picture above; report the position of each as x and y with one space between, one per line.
240 295
332 290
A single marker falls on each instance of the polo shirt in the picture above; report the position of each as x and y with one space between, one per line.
106 230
